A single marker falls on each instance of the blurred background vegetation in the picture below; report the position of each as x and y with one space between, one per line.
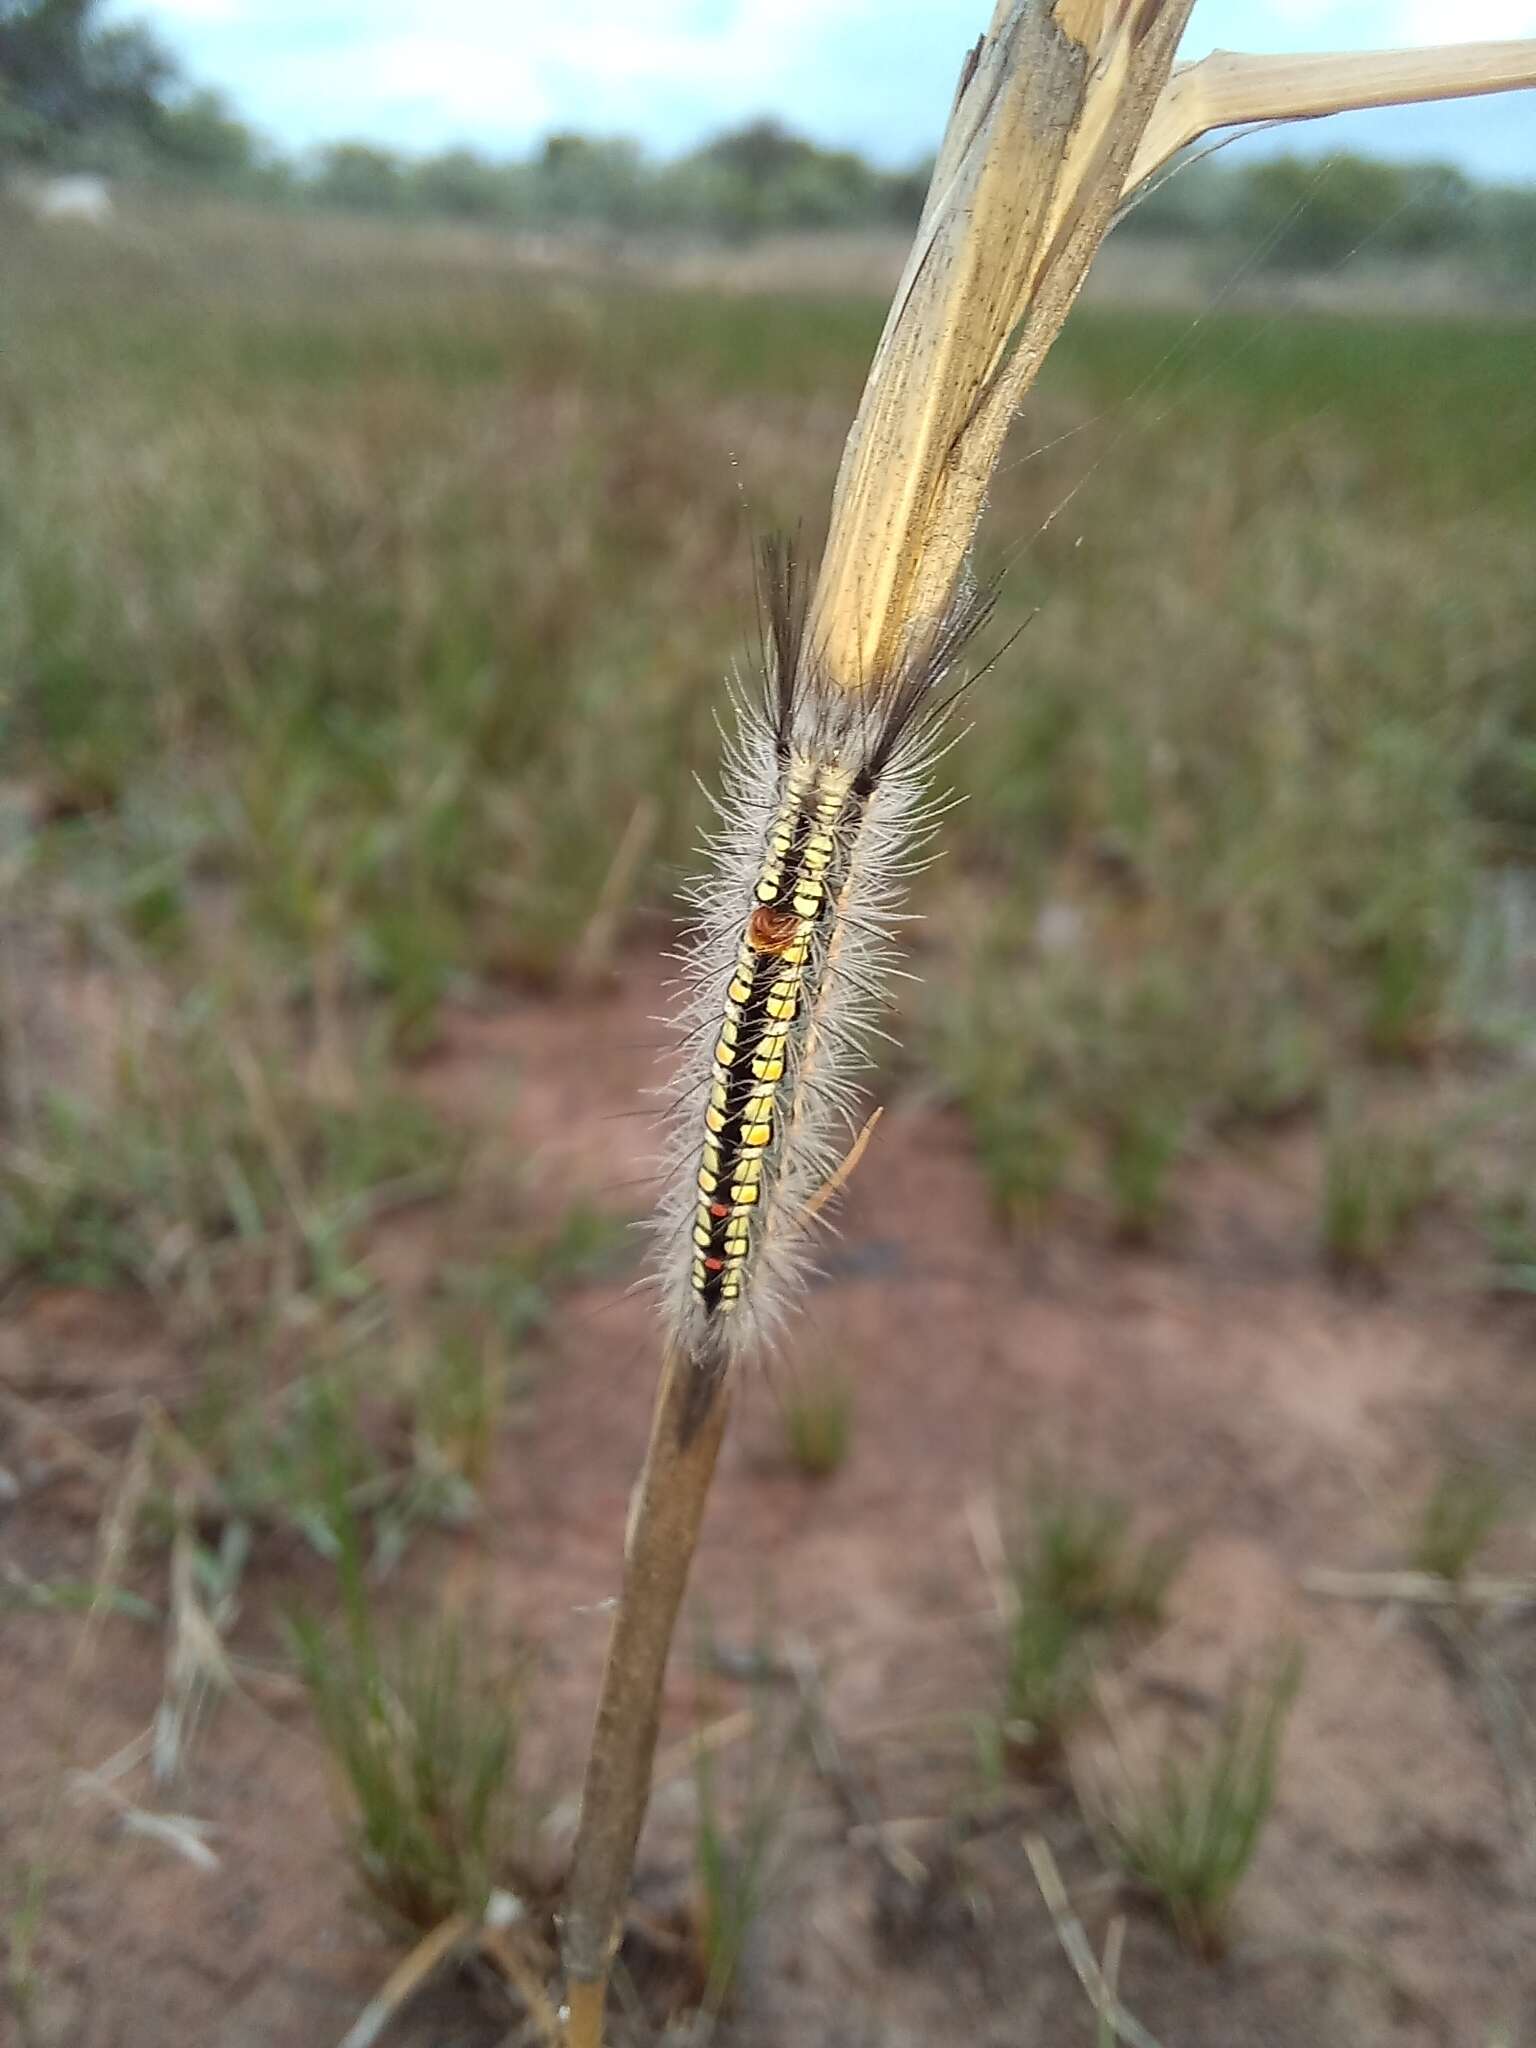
368 594
78 93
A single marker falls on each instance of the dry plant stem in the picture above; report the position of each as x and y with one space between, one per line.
689 1420
1226 90
114 1541
834 1184
403 1982
1124 2026
1420 1589
1050 112
684 1755
501 1950
1511 1730
594 953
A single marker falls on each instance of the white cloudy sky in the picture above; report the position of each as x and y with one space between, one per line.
874 75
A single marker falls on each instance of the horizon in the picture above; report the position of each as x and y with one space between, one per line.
692 69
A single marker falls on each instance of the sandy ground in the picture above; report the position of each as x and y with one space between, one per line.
1221 1383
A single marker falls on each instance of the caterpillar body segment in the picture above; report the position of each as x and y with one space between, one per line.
762 1008
786 965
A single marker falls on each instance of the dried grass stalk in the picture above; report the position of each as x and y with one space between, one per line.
663 1530
1051 107
1226 90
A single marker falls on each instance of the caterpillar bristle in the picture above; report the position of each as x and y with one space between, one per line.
784 598
790 959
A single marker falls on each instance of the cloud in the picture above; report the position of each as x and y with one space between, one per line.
1421 22
856 73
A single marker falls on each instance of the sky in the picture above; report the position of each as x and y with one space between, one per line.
871 75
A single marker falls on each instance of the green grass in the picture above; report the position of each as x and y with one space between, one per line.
1235 797
205 1152
422 539
328 1448
818 1416
1376 1181
1047 1685
738 1837
357 588
1509 1225
1465 1507
1076 1578
514 1288
1364 378
357 1413
424 1735
1076 1553
461 1388
1188 1837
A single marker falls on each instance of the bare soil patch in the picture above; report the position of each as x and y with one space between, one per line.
1220 1382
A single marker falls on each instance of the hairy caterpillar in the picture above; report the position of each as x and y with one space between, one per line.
785 968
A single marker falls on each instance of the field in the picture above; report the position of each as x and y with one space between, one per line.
365 595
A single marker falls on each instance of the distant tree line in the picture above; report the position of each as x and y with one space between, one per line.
1311 213
79 93
752 181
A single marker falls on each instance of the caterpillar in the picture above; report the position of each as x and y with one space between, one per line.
786 966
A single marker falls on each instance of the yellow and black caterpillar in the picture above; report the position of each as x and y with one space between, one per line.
788 963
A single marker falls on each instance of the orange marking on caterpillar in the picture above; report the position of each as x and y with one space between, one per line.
772 931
